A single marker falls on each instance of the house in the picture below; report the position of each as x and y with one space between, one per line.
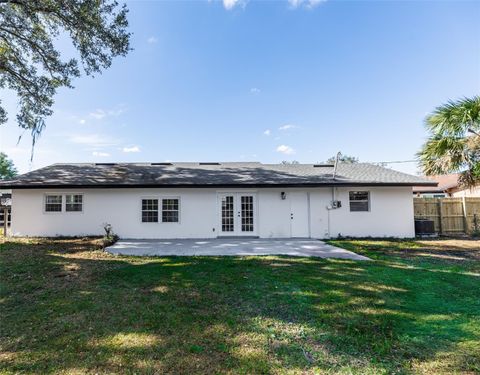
448 186
208 200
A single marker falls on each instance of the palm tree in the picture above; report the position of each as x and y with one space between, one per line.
454 141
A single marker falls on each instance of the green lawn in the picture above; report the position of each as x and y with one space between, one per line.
66 307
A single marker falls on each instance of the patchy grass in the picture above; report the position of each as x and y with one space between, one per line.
68 307
450 251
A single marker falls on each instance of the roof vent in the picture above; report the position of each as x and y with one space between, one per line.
323 165
161 164
213 163
105 164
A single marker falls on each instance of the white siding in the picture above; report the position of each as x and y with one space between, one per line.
391 213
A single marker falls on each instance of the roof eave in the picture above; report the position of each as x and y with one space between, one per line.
236 185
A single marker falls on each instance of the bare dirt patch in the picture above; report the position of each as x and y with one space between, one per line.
454 249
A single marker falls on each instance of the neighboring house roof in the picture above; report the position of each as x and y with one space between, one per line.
115 175
445 183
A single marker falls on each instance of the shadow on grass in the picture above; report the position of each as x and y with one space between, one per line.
71 310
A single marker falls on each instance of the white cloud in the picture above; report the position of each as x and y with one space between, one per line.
287 127
131 149
230 4
100 154
267 132
255 90
93 140
314 3
284 149
306 3
152 40
82 121
116 112
100 114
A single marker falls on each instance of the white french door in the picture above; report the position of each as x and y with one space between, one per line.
237 214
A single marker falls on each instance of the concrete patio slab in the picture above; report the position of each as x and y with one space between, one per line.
232 247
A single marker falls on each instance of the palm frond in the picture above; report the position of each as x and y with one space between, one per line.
454 142
455 117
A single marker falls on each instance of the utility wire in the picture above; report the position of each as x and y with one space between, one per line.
394 162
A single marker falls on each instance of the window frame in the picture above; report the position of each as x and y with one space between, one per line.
45 211
160 208
82 204
141 210
160 199
368 200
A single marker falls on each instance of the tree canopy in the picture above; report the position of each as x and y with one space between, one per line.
33 67
7 169
343 159
454 141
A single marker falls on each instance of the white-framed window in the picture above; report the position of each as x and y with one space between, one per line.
149 210
359 201
73 202
170 210
53 202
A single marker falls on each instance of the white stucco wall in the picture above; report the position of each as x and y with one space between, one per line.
119 207
391 213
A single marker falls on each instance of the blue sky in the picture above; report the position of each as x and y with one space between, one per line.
264 81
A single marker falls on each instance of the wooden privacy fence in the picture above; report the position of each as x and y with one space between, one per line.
450 215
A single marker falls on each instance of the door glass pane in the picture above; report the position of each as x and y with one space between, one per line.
227 214
247 213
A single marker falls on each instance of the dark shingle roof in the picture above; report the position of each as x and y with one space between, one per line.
208 174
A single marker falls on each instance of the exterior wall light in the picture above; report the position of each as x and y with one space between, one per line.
283 195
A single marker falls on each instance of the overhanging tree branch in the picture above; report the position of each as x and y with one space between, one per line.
29 62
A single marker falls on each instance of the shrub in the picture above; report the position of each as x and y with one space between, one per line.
109 237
